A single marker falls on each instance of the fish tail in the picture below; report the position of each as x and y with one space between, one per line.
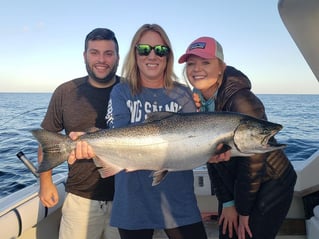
55 148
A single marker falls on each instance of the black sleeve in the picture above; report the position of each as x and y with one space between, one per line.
250 170
222 178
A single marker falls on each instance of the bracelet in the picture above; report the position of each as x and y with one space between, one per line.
229 204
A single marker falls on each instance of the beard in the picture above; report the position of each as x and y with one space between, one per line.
104 80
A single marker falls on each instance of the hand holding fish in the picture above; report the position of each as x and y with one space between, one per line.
220 157
82 150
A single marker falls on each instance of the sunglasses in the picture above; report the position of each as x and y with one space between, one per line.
145 50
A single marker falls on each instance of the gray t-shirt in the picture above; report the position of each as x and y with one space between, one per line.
78 106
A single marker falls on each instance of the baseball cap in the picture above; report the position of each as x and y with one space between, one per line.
205 47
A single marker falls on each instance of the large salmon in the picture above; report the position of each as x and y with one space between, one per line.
165 142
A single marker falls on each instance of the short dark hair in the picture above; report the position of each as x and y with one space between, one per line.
101 34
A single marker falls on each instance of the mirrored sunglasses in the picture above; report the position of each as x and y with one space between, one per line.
145 50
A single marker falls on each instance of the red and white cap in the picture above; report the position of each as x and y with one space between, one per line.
205 47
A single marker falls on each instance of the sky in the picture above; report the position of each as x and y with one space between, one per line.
42 42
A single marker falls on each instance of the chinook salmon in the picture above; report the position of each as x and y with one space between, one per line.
165 142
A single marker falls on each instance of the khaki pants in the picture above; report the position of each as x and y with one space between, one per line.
83 218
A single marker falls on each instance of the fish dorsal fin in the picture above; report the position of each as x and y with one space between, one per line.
158 176
156 116
92 130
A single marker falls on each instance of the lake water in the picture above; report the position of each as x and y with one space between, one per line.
21 112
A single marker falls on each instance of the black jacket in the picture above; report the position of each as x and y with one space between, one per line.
241 178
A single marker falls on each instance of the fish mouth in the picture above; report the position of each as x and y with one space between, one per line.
272 144
276 145
265 141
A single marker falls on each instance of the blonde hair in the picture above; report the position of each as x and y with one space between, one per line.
130 71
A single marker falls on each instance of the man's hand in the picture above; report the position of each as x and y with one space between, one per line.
48 193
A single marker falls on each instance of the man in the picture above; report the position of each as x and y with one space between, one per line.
80 105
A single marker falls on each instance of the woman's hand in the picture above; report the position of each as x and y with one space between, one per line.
216 158
244 227
196 100
82 151
229 220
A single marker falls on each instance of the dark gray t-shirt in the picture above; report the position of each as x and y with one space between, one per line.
78 106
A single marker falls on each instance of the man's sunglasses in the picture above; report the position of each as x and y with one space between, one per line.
145 50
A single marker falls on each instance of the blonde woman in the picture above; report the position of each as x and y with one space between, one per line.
254 192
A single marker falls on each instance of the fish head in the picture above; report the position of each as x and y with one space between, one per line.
256 136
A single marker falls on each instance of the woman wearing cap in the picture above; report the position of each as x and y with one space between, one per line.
254 192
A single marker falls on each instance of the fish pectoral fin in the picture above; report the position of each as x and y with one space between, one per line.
158 176
128 170
105 168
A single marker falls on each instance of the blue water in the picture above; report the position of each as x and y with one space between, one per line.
21 112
